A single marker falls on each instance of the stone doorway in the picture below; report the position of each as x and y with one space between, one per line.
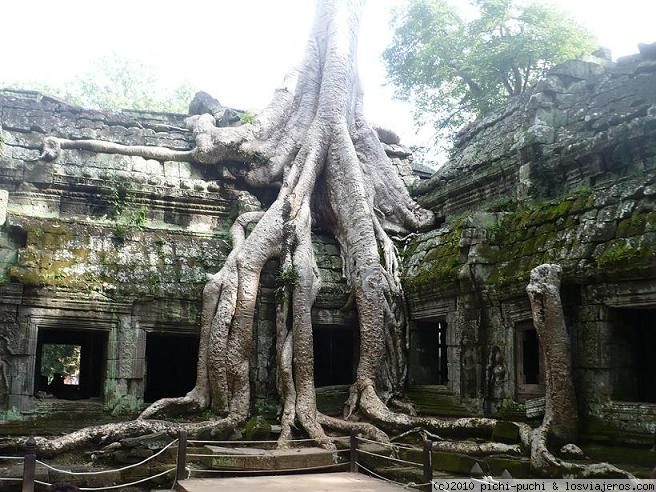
529 365
428 361
170 365
632 355
334 355
88 380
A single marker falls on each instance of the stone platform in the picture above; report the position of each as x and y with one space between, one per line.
227 458
316 482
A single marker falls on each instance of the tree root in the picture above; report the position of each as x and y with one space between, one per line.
478 449
108 433
52 147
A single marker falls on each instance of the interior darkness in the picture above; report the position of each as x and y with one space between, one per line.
428 353
632 355
93 356
334 349
531 359
170 365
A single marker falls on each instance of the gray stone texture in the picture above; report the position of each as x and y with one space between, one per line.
69 261
565 174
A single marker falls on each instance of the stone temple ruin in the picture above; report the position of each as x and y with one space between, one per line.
110 253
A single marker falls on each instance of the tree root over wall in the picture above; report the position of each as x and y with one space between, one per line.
315 144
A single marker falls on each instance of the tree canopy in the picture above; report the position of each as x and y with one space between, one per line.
60 358
114 83
455 69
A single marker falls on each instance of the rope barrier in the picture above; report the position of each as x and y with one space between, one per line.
112 487
102 472
391 445
197 455
264 442
318 467
380 476
11 457
399 460
9 479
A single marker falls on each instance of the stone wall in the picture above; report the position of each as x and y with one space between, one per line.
566 174
121 245
587 120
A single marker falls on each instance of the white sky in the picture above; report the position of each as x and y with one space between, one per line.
239 50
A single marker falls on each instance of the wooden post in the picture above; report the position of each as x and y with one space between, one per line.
354 453
428 464
29 465
181 460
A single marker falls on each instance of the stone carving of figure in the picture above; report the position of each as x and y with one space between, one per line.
496 374
5 353
469 371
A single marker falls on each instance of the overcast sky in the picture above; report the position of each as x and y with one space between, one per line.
239 50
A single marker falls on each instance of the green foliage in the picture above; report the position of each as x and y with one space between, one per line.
257 428
116 83
126 215
60 358
455 69
286 280
247 118
11 415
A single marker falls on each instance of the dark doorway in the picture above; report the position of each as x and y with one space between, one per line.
170 365
70 363
632 355
334 349
529 362
428 362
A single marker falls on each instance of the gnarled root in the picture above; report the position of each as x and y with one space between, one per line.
108 433
561 418
477 449
545 464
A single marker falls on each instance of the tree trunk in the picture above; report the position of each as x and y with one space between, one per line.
561 410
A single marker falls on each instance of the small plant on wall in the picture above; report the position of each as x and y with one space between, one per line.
127 216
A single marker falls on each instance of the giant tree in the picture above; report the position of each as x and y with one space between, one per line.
314 145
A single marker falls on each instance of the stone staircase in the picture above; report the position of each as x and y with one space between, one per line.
52 416
436 400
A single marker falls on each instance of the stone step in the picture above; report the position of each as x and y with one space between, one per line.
331 399
231 458
436 400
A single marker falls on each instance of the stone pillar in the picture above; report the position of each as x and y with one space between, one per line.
23 364
124 387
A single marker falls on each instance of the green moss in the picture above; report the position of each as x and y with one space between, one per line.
286 280
517 467
507 432
257 429
443 262
628 254
637 223
454 463
533 234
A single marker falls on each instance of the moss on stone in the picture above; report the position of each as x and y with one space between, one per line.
454 463
628 255
507 432
257 429
517 467
442 263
